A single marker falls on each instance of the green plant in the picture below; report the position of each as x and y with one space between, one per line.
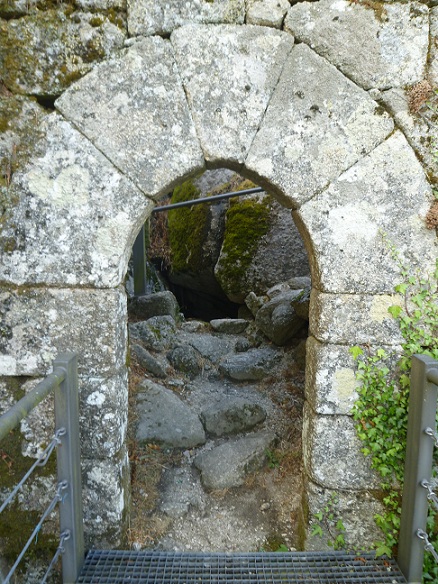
381 410
327 522
274 458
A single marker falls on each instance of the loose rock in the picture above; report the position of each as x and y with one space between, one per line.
164 418
232 416
228 464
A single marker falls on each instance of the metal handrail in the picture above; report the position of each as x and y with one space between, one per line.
418 465
63 381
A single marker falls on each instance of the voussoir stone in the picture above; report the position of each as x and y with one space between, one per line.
158 304
229 73
149 17
227 465
316 126
133 108
418 129
164 418
381 46
231 416
252 365
372 206
68 207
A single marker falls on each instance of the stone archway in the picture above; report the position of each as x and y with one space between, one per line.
247 98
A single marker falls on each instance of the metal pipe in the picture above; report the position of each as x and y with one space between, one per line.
11 419
418 466
69 468
213 199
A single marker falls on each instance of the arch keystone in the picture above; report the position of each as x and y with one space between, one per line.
229 73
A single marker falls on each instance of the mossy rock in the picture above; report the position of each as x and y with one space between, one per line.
188 229
247 222
44 52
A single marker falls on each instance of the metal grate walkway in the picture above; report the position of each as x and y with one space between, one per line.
152 567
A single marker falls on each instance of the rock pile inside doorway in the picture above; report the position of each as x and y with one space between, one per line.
215 431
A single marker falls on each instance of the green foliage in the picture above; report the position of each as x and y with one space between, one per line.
247 221
382 408
188 228
328 522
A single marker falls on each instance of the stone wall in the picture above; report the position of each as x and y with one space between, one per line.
309 101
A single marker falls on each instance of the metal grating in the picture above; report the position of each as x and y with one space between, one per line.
153 567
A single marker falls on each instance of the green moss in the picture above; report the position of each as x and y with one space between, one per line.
16 527
247 221
188 228
96 21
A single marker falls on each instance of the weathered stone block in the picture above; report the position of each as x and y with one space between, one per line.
105 487
148 17
433 52
354 319
103 415
331 453
267 12
316 126
38 323
420 134
76 215
42 53
330 378
384 45
356 510
140 88
229 74
379 202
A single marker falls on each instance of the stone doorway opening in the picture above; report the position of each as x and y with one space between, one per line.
217 391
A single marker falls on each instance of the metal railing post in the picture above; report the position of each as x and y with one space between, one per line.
69 468
418 466
139 267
